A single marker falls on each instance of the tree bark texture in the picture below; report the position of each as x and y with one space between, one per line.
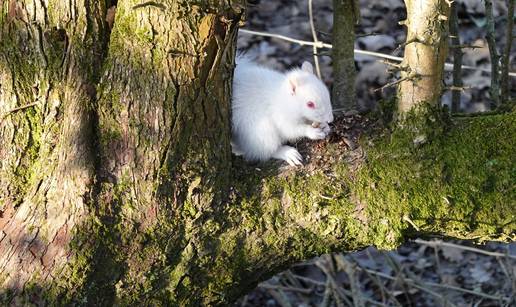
107 130
343 56
51 55
425 53
117 184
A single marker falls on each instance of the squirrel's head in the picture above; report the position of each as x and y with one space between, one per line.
310 94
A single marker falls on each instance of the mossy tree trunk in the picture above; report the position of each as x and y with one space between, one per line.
425 53
116 178
114 144
50 59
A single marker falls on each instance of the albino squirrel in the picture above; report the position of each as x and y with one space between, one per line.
270 108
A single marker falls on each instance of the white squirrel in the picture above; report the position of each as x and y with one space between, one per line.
270 108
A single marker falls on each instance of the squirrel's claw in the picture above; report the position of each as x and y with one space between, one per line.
290 155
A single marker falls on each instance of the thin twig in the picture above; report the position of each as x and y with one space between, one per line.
410 281
285 288
457 88
320 44
19 108
471 249
384 290
280 297
390 84
310 280
327 294
290 279
408 220
350 269
397 66
337 290
368 34
457 57
505 93
459 46
493 52
314 35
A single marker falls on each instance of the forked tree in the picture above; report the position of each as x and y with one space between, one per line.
117 182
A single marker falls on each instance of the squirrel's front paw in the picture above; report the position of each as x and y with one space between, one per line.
326 128
289 154
315 133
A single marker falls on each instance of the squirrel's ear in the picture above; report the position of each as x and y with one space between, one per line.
307 66
292 85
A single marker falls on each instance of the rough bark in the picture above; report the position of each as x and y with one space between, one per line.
118 187
425 53
50 58
165 154
343 57
90 163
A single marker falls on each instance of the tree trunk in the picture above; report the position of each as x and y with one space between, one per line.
425 53
49 68
345 16
116 175
107 176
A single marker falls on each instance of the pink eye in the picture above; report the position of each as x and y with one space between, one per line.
310 104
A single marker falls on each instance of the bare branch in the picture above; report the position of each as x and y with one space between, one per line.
412 76
314 35
457 57
491 43
468 248
319 44
507 53
20 108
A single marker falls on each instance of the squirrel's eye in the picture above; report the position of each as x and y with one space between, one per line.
310 104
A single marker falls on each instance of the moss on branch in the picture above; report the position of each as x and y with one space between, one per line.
452 179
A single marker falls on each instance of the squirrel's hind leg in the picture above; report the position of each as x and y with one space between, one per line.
236 150
289 154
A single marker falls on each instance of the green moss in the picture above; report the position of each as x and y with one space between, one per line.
456 179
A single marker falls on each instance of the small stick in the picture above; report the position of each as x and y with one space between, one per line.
284 288
280 297
397 66
19 108
462 46
457 57
471 249
394 83
367 34
314 35
491 43
505 93
380 284
458 88
350 269
408 220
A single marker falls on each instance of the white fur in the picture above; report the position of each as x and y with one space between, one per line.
270 108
